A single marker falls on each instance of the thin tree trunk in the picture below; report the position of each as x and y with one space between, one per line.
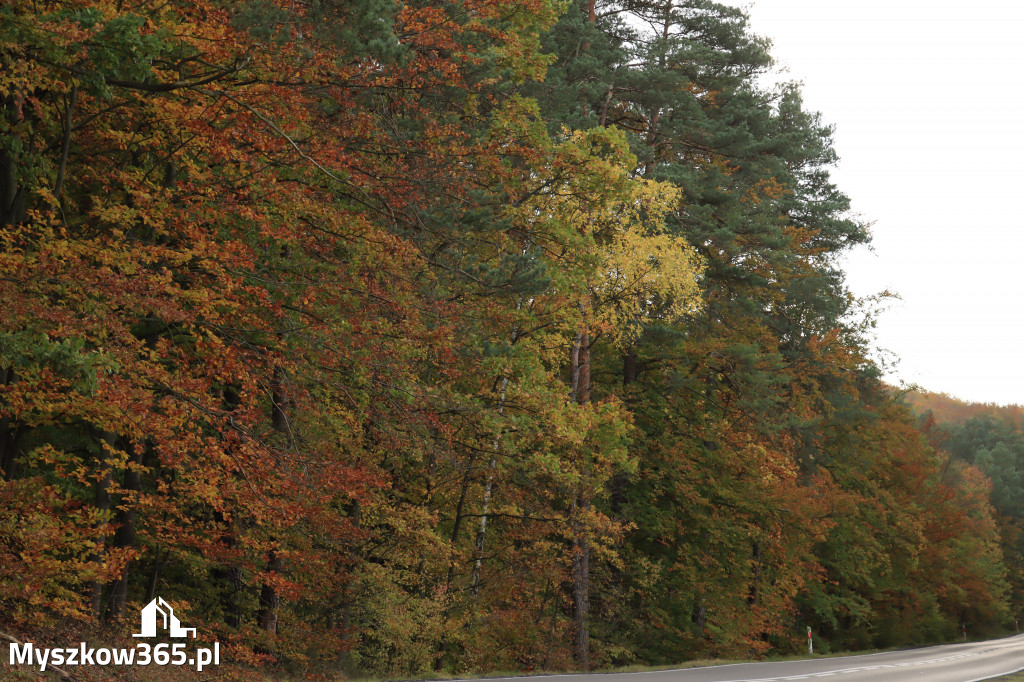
580 569
755 565
604 109
270 600
228 578
154 576
630 373
279 402
481 532
65 146
102 503
12 198
9 438
580 585
492 466
125 536
457 524
232 609
699 615
356 514
10 435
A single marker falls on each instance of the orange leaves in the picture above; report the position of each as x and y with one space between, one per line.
233 209
45 541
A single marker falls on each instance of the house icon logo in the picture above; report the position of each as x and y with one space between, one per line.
166 614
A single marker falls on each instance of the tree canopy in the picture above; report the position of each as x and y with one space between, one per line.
454 335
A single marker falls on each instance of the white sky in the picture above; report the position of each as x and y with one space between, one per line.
927 100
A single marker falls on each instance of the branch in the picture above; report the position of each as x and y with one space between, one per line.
65 147
179 84
149 86
295 145
521 517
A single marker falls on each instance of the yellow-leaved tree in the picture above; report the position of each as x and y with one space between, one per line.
627 272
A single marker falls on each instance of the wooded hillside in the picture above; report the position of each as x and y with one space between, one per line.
951 411
451 335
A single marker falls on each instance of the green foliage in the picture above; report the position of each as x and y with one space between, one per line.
29 352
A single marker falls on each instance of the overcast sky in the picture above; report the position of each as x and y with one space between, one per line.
927 101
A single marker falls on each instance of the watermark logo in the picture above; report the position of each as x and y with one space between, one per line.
157 618
170 622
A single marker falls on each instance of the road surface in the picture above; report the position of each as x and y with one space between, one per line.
966 662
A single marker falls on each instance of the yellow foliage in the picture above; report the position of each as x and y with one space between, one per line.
646 274
633 271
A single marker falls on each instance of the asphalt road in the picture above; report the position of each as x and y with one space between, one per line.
966 662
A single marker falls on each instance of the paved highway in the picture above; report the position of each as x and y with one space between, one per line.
966 662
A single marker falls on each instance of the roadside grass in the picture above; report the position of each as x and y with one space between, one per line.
501 674
706 663
634 668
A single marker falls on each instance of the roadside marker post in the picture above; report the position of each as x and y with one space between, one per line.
810 641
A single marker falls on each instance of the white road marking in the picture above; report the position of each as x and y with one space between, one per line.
928 661
805 676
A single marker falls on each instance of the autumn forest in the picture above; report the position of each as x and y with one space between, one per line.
391 337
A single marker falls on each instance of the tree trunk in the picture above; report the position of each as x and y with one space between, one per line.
232 609
492 466
630 368
481 532
125 536
580 363
755 566
102 503
10 435
12 198
699 616
279 402
581 586
154 576
270 600
580 570
65 146
228 577
457 524
9 438
449 582
630 373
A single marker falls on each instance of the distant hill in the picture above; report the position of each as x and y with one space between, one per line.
991 438
949 410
